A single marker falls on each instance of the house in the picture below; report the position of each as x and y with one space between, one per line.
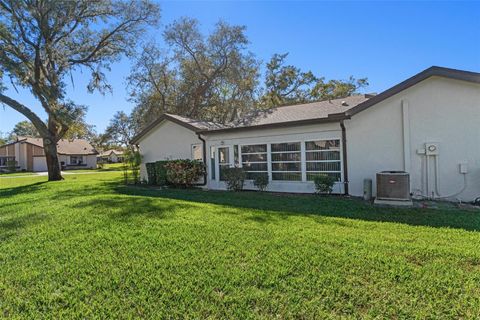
350 139
110 156
28 155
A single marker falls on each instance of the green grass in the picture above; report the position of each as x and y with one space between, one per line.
14 174
88 247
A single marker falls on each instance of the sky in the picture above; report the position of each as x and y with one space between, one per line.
386 42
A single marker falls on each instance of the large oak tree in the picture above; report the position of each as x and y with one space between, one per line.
43 41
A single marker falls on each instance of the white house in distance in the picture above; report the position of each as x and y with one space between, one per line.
110 156
28 154
428 126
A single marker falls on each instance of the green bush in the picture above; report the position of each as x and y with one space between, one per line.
184 173
151 173
132 161
234 178
261 182
324 183
11 165
161 173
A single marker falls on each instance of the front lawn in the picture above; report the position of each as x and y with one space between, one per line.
88 247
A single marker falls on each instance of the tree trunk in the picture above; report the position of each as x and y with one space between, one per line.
50 148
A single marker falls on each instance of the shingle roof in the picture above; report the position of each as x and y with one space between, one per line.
191 124
108 152
299 112
315 111
64 146
199 124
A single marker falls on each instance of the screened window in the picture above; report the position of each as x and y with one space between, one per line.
254 160
323 158
286 161
223 161
212 162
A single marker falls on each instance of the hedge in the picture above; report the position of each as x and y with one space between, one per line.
177 172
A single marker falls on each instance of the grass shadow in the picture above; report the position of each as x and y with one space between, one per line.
7 192
283 205
12 226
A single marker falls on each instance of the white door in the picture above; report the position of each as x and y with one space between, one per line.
39 164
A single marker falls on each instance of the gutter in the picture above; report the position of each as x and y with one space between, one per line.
204 149
345 163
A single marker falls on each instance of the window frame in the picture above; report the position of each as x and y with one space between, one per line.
266 162
327 172
299 151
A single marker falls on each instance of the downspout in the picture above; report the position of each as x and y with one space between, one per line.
204 149
344 151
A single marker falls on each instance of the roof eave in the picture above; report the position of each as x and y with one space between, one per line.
331 118
162 118
419 77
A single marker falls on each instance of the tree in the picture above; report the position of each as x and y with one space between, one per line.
3 138
287 84
204 77
120 130
43 42
24 128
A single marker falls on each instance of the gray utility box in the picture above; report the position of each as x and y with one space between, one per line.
393 185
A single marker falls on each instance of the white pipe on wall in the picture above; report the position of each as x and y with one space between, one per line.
406 136
437 178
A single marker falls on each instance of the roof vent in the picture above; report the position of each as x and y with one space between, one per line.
344 103
370 95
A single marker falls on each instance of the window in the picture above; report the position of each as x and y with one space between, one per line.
286 161
223 161
76 160
4 161
197 152
212 162
254 160
323 157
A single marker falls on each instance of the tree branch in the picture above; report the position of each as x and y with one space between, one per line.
39 124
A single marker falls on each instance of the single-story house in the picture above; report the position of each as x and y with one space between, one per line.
110 156
427 125
28 154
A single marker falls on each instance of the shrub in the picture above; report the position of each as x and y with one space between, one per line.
132 160
324 183
184 173
161 173
234 178
12 165
261 182
151 173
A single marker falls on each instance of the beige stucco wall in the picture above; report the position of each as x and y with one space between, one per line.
166 141
440 110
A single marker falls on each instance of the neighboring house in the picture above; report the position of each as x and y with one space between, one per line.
28 154
110 156
350 139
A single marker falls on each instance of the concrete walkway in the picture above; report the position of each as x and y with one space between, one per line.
36 174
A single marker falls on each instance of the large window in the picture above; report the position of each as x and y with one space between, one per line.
286 161
223 161
254 160
323 158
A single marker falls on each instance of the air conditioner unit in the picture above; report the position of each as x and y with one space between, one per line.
393 185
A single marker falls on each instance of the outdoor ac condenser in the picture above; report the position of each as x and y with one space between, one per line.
393 185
